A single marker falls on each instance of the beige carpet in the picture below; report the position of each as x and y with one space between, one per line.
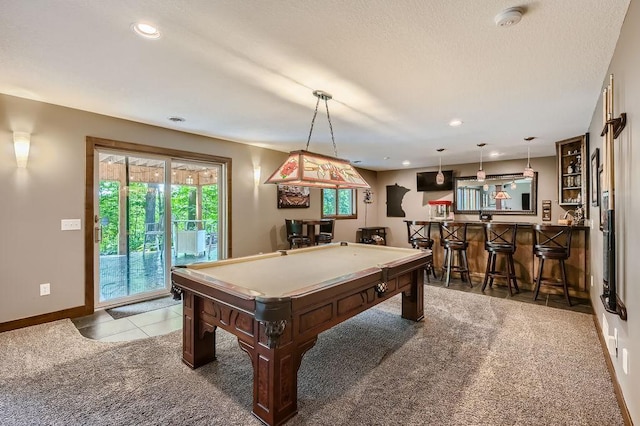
475 360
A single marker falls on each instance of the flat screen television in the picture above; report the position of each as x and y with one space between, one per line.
426 181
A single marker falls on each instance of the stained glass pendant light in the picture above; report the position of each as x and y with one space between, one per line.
481 175
440 175
502 195
305 168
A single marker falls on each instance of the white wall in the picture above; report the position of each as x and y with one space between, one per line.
33 200
625 67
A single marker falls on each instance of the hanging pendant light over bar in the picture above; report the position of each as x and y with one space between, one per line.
440 175
305 168
528 171
481 175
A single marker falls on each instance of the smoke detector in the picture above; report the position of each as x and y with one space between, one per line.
509 17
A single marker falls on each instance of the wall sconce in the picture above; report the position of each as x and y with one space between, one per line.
21 142
256 175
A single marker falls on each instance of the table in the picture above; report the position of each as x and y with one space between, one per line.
311 228
191 242
276 304
367 232
190 236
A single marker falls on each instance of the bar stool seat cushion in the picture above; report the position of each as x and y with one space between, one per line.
499 247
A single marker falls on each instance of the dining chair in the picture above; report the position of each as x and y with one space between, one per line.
295 237
325 230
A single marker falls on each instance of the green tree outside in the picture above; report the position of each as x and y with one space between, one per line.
141 195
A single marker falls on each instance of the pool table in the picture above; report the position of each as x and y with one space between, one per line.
276 304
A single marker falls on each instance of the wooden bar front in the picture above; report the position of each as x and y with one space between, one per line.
525 262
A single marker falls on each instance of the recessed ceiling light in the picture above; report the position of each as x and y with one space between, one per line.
176 119
357 161
387 158
146 30
455 123
406 163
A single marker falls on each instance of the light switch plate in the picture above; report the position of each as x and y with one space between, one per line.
45 289
70 224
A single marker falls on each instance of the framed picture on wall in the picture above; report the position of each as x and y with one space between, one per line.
292 196
595 178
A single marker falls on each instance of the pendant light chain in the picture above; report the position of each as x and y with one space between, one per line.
313 120
335 148
325 97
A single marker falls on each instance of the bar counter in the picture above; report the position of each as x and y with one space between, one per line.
526 264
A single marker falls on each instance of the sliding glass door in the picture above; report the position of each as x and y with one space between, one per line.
130 228
196 199
153 213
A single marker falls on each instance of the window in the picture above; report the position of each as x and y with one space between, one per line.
339 203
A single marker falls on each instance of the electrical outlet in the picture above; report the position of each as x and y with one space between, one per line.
45 289
591 280
615 340
625 360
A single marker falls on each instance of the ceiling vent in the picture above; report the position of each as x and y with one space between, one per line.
509 17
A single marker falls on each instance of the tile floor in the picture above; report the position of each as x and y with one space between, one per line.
102 326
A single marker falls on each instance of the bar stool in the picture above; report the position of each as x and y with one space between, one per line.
419 236
500 239
552 242
453 238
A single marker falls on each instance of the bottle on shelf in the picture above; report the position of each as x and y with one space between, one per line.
570 154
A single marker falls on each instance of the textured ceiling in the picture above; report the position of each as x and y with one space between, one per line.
398 71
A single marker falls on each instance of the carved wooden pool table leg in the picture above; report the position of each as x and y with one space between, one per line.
413 300
275 377
199 340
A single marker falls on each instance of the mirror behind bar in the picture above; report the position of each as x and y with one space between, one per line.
511 194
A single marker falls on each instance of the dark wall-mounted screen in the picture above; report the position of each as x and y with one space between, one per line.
426 181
